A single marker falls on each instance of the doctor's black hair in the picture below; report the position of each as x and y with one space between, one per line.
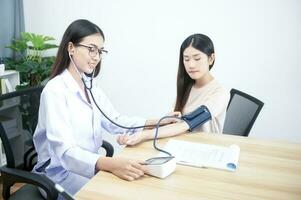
75 33
202 43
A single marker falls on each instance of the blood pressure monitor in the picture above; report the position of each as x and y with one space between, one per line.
158 160
161 167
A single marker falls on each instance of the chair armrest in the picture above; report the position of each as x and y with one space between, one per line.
11 176
108 147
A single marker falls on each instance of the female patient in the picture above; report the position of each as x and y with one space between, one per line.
195 87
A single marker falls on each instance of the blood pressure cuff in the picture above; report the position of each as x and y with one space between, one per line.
197 117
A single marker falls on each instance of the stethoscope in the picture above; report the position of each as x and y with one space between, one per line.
84 80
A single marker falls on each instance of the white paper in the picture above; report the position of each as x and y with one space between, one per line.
204 155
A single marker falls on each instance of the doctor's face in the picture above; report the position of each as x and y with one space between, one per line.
196 63
87 53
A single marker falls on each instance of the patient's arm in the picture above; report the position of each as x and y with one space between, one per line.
165 131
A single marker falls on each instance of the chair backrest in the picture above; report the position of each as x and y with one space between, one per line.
18 118
241 114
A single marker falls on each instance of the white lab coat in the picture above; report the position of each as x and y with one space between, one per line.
69 131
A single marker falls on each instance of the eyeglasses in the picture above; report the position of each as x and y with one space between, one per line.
93 51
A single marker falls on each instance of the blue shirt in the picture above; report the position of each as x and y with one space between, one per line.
69 130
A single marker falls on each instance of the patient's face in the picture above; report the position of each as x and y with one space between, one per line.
196 63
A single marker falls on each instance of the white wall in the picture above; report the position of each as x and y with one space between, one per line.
258 50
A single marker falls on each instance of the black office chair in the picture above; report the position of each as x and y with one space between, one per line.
18 119
241 114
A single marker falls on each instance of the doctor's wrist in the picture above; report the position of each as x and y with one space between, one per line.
104 164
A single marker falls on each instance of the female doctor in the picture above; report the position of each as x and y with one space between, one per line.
69 131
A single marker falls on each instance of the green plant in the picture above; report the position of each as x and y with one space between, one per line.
31 63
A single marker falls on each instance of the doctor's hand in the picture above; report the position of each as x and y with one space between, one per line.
171 120
123 168
131 139
153 122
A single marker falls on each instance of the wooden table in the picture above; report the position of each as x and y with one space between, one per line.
266 170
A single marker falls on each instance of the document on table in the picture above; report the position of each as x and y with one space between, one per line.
204 155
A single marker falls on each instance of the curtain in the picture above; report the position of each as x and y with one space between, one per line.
12 24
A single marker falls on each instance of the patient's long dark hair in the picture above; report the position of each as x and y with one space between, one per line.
75 33
184 83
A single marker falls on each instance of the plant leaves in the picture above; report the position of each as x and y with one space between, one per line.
33 67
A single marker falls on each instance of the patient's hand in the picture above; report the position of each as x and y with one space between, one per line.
131 139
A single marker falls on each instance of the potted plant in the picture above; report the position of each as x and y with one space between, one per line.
30 62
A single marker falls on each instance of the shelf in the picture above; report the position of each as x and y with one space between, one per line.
9 108
8 73
11 79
